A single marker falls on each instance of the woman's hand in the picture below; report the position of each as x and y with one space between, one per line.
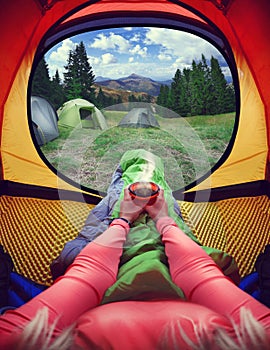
159 208
130 209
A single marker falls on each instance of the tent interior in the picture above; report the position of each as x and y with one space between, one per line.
227 208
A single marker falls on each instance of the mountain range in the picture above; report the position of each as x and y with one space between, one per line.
133 83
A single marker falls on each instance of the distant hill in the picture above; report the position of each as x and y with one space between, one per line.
132 83
99 79
123 94
165 82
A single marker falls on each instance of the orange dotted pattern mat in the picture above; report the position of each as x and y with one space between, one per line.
238 226
34 231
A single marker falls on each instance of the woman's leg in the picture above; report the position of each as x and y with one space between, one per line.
80 289
201 279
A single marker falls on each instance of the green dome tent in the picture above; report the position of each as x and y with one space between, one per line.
236 216
79 112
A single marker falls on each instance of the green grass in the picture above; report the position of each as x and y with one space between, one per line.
188 146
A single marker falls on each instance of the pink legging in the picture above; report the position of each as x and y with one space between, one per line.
81 288
201 279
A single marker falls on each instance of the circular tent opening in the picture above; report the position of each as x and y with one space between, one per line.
193 96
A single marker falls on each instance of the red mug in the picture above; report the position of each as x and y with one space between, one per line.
144 190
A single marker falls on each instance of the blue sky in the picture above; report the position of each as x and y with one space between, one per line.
151 52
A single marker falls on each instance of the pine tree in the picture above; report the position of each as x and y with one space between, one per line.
206 88
230 99
132 101
85 72
119 99
164 98
79 76
177 92
146 98
186 104
132 98
41 85
71 80
58 96
219 87
196 91
101 99
199 90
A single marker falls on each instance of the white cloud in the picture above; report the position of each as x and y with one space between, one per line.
179 44
112 41
151 52
58 59
164 57
138 50
136 38
108 58
93 60
62 52
180 63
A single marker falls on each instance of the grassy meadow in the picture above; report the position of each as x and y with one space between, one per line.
189 147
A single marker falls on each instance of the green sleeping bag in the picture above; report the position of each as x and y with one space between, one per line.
143 271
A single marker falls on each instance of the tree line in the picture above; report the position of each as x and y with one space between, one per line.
78 80
199 90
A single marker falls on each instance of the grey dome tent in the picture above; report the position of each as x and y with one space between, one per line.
139 118
44 120
82 113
